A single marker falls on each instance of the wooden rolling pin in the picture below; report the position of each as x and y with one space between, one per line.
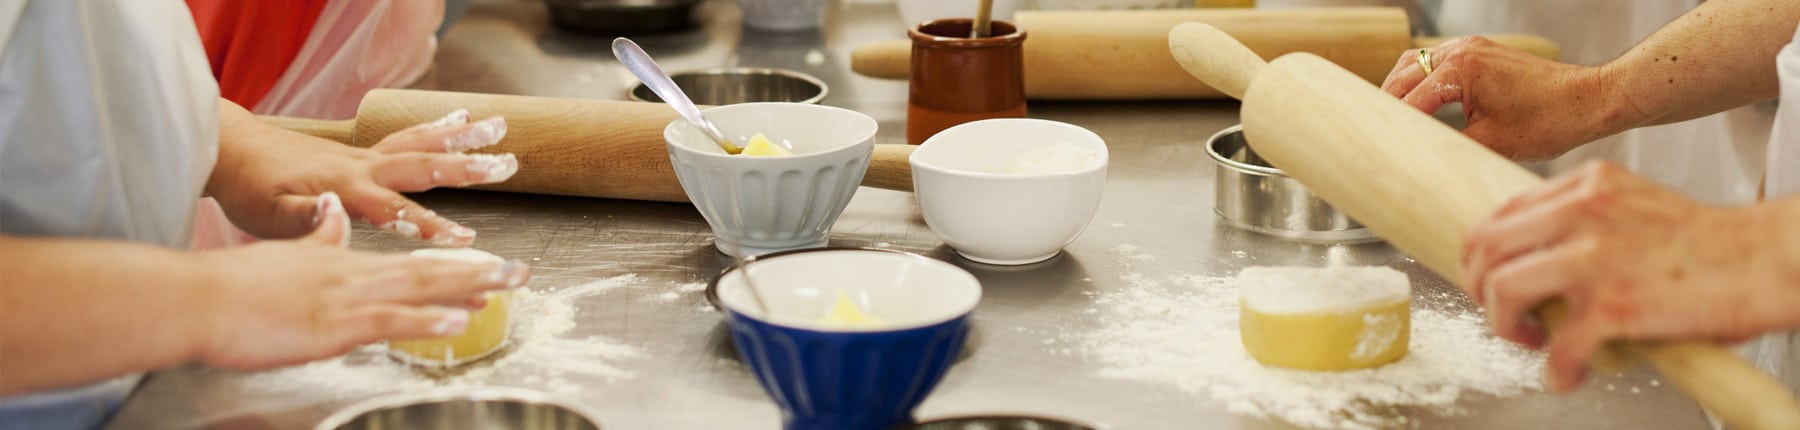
1100 55
590 148
1421 185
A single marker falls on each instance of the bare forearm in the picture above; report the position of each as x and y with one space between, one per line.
1718 56
75 311
236 128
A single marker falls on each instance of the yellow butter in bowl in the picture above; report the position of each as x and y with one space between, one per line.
487 331
845 314
760 146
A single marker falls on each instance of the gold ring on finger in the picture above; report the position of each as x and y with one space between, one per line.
1425 61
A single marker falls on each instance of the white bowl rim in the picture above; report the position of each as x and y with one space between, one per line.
873 128
960 311
1105 153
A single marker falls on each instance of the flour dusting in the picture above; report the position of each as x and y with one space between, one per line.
1181 331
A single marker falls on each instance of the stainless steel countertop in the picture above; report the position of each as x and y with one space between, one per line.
1158 199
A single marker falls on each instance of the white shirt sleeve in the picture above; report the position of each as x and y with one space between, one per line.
1784 142
108 129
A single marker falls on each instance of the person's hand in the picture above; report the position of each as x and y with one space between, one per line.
1522 106
1632 260
284 302
268 178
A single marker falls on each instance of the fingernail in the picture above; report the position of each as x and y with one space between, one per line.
493 168
516 279
454 321
512 273
458 116
498 274
455 235
327 201
402 227
482 133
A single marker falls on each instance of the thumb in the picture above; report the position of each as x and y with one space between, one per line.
331 222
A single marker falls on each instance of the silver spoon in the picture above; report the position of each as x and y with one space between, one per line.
743 268
640 64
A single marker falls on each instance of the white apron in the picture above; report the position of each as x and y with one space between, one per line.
1780 353
108 129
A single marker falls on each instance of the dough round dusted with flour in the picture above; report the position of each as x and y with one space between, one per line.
1331 318
487 331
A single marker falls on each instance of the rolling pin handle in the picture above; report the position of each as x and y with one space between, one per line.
1218 59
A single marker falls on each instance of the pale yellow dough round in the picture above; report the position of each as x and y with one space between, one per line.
488 328
1332 319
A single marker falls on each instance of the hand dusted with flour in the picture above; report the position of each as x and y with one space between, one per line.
270 190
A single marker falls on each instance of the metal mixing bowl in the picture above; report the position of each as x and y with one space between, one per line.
619 17
720 87
1255 196
460 408
999 422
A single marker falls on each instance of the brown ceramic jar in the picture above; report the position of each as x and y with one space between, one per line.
957 79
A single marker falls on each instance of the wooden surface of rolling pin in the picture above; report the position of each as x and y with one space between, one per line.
1421 185
1096 55
590 148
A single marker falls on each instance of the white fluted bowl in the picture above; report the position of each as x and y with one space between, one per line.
758 205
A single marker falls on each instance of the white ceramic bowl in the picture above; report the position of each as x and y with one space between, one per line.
905 290
758 205
1006 218
913 12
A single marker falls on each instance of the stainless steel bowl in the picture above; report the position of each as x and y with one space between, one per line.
999 422
1255 196
620 17
741 85
460 408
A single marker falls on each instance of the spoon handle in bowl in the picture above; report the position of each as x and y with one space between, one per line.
635 59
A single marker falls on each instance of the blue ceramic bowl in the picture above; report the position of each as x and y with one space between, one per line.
827 375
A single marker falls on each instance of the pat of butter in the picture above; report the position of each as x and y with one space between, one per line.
1333 318
760 146
846 314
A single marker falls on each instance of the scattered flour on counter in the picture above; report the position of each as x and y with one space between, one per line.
540 351
1185 336
1128 254
681 290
